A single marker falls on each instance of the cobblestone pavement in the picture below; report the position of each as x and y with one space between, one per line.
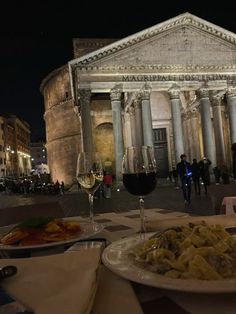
76 203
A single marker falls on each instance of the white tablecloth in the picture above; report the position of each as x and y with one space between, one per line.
228 205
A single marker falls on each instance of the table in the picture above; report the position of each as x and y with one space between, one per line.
117 295
154 300
228 205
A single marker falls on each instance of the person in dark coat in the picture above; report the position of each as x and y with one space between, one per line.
175 176
196 176
184 171
217 174
204 166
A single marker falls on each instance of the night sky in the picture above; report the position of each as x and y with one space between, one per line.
36 38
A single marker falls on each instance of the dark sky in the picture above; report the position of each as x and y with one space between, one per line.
36 38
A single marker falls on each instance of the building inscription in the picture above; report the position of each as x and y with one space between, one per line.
182 77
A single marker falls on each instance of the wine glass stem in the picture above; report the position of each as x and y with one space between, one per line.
142 218
91 216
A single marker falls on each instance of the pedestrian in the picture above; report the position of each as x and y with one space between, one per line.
57 187
217 174
107 182
62 188
170 176
184 171
196 176
175 177
233 148
204 166
225 174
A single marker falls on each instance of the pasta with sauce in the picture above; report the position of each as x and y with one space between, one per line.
200 251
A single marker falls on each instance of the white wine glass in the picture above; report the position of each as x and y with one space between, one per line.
89 175
139 175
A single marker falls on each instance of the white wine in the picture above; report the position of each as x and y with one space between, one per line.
89 174
90 182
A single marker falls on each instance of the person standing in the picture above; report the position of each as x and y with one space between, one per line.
196 176
107 182
175 176
217 174
233 148
204 166
184 171
62 188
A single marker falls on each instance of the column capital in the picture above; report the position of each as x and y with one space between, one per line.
174 91
231 92
145 92
137 100
84 95
203 93
217 97
115 93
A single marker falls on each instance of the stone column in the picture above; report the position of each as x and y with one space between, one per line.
86 127
146 116
231 102
218 129
195 142
133 125
176 123
128 133
207 132
138 122
187 130
117 129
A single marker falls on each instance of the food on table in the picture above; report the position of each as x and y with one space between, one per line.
194 251
41 230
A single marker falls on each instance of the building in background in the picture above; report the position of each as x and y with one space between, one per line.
17 146
171 86
39 158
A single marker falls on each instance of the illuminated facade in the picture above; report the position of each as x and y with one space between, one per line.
39 157
171 86
17 146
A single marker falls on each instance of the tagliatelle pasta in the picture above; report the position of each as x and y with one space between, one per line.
196 251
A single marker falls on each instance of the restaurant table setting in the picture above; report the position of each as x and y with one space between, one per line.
83 280
60 283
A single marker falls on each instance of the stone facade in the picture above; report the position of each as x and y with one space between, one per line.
16 135
177 76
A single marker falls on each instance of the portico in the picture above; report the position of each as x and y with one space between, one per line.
177 76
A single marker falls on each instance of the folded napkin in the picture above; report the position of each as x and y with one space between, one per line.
115 295
55 284
156 225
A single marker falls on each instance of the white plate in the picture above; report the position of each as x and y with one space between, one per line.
115 257
87 230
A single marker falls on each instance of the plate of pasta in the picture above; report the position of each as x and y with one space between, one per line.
43 232
197 258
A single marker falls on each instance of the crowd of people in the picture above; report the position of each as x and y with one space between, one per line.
198 173
29 185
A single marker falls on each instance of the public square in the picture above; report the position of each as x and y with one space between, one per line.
75 203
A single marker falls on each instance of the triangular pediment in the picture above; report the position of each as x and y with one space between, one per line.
185 40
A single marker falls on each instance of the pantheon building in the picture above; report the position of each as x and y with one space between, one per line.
171 86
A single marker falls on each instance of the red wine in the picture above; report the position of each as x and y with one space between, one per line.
140 183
